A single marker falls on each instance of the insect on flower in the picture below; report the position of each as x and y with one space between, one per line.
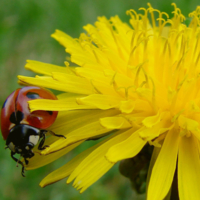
23 129
138 84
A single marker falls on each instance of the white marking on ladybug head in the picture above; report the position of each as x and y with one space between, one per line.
34 139
11 146
27 148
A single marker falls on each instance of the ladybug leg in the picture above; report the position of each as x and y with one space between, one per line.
22 172
26 161
18 161
52 133
43 136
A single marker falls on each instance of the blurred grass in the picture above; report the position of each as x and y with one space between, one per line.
25 29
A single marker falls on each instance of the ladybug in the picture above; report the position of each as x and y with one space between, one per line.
23 129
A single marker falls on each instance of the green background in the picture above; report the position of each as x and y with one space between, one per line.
25 29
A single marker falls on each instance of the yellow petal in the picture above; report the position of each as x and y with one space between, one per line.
152 120
39 160
74 83
122 30
63 38
187 123
44 68
145 93
115 122
105 89
159 128
190 125
66 169
99 80
89 127
88 131
68 121
188 169
94 165
56 105
93 74
84 55
119 79
127 106
103 102
136 105
127 147
80 86
164 167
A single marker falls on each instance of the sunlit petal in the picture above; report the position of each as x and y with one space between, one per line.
188 169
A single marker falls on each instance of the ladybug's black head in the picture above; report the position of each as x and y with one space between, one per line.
21 140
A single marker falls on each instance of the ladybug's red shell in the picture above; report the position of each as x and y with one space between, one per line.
16 111
7 108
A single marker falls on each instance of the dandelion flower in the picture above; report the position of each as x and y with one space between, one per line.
138 84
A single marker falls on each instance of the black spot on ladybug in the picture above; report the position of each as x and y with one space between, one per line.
4 103
17 117
12 118
50 112
32 95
